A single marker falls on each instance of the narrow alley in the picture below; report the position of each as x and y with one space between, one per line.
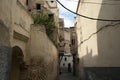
59 39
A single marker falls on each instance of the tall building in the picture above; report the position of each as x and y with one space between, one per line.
67 40
61 44
73 50
98 39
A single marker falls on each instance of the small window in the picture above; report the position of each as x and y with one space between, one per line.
38 6
27 2
73 41
65 59
52 1
51 16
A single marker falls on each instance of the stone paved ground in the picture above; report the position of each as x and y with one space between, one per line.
67 76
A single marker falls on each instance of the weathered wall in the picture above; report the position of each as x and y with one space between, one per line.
100 47
21 28
22 20
5 11
99 44
5 52
45 52
52 6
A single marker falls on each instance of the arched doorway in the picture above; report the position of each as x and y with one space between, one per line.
17 60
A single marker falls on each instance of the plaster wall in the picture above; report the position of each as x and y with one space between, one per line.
99 48
22 20
44 49
5 11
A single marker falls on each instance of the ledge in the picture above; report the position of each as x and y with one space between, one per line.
19 36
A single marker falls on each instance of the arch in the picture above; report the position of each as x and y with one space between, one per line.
17 51
17 60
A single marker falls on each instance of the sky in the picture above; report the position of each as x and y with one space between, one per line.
68 16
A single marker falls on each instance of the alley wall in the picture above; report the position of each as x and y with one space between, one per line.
42 50
99 41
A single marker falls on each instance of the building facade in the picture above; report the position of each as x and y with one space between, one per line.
16 54
61 36
67 57
98 40
73 50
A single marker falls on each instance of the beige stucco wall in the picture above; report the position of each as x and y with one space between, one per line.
101 49
5 11
44 49
23 2
22 20
16 18
21 25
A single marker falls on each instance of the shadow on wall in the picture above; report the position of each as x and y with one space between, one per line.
97 73
108 36
108 41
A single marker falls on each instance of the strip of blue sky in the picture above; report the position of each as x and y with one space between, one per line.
68 16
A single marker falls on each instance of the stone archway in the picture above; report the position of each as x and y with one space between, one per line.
17 61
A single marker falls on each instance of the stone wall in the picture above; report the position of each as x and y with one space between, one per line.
5 52
43 55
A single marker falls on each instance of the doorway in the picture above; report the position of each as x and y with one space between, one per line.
17 59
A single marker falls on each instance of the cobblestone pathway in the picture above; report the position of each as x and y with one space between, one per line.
67 76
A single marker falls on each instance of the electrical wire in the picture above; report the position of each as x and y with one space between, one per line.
86 16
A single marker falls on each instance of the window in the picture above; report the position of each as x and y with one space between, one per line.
38 6
51 16
27 2
65 59
52 1
73 41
